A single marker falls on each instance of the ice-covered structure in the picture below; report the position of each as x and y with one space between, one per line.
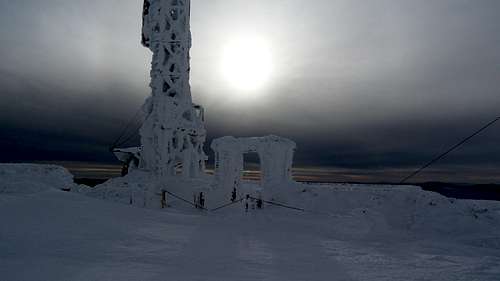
275 153
173 132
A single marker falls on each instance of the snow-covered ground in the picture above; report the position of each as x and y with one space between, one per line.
347 233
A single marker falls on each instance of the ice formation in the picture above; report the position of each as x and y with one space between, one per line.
275 153
130 157
173 133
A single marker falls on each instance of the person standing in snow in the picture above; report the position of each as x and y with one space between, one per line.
202 200
259 203
247 201
233 195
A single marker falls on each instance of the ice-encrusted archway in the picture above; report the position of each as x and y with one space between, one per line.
275 153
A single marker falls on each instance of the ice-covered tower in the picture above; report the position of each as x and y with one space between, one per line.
173 133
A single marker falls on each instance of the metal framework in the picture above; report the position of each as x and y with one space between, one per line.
173 133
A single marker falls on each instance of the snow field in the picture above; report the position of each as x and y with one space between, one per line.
349 232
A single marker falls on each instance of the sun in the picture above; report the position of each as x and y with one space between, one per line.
247 63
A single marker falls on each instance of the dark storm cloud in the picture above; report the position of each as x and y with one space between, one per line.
359 85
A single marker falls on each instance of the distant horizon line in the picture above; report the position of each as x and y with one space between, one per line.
319 174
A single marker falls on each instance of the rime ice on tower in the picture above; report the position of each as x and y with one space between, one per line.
173 133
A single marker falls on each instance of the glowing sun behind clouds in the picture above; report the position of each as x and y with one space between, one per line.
246 64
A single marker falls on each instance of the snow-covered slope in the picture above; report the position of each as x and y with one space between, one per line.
348 232
405 208
32 178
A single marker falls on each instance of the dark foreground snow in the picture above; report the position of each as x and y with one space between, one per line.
53 235
348 232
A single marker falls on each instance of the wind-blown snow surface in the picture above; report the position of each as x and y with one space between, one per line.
348 233
32 178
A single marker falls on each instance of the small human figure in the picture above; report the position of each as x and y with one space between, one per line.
202 200
259 203
195 200
233 195
247 199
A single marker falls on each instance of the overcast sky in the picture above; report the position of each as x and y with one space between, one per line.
362 85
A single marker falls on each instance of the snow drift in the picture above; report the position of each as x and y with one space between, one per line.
33 178
407 209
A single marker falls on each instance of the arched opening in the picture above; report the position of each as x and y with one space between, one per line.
252 167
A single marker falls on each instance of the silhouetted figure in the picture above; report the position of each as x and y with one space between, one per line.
259 203
202 200
233 195
247 199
